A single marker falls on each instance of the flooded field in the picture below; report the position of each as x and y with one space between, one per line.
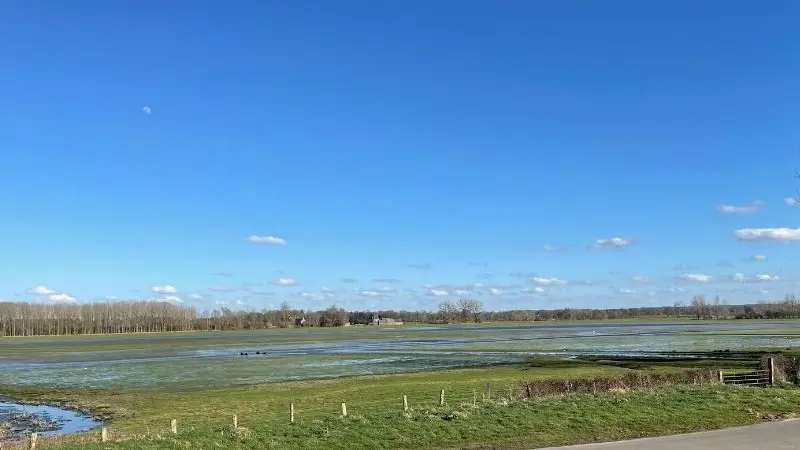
17 421
214 359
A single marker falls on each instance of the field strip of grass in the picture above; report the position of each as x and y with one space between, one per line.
540 422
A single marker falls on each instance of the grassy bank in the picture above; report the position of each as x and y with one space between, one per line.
535 423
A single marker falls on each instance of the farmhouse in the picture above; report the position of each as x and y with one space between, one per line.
379 320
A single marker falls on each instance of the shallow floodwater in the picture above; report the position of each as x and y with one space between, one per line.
192 360
20 420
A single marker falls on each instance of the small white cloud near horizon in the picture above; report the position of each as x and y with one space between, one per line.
437 292
612 242
368 293
696 277
164 289
147 110
170 299
749 209
285 282
61 298
495 291
780 234
311 296
195 297
626 291
759 258
641 279
544 281
270 240
221 289
766 277
792 201
40 290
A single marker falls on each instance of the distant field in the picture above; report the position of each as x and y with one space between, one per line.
210 359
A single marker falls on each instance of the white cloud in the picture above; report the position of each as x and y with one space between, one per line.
625 291
753 279
792 201
613 242
195 297
327 290
438 292
147 110
220 303
271 240
240 302
311 295
286 282
171 299
552 248
368 293
41 290
387 289
641 279
538 289
696 277
759 257
548 281
749 209
782 234
766 277
61 298
221 289
165 289
460 292
495 291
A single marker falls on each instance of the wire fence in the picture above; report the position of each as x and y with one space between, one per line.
299 412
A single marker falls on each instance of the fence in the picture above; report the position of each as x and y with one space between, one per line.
302 411
758 377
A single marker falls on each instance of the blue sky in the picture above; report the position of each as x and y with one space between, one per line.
437 145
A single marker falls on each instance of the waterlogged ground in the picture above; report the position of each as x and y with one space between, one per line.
17 421
196 360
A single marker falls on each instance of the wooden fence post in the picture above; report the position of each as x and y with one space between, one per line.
771 362
405 403
441 397
474 397
34 438
488 391
104 435
510 394
721 378
173 425
344 409
235 422
291 412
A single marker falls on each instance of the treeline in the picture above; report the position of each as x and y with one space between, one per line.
30 319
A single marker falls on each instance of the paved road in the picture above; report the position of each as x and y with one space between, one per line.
782 435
